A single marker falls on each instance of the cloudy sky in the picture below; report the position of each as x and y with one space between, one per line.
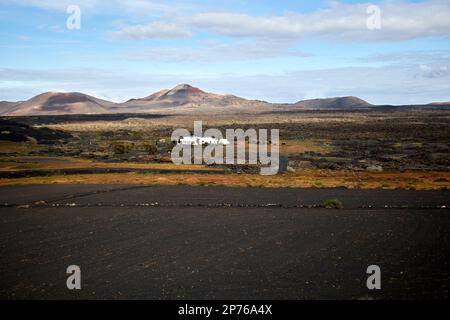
387 52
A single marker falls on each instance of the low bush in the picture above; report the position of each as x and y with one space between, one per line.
333 204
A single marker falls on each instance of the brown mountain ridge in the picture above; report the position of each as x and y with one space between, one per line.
182 98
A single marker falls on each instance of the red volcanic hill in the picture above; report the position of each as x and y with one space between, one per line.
7 106
182 93
334 103
440 104
183 98
185 95
57 103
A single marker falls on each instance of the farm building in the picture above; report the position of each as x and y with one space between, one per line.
196 141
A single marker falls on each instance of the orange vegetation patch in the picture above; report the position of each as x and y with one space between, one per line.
49 163
19 147
290 147
419 180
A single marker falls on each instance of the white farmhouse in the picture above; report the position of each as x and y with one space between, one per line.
201 141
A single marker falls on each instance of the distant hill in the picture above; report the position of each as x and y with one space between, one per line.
57 103
334 103
7 106
183 98
440 104
181 94
185 95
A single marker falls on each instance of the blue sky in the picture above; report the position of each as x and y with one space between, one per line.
280 51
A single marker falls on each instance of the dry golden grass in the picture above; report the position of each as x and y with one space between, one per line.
419 180
49 163
289 147
187 121
101 126
19 147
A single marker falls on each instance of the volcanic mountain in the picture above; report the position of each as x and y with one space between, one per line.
185 95
334 103
440 104
57 103
181 94
7 106
183 98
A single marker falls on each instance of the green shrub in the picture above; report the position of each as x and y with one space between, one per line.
151 148
121 148
332 204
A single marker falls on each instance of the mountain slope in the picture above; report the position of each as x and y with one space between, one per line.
183 98
57 103
7 106
185 95
440 104
181 94
334 103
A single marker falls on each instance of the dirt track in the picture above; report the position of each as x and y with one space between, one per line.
194 243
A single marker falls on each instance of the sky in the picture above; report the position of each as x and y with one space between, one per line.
386 52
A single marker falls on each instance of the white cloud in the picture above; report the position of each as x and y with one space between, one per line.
400 20
104 7
410 56
154 30
60 5
345 22
434 71
218 52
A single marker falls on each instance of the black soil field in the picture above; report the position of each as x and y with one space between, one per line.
222 243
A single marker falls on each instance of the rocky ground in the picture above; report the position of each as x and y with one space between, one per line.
140 242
